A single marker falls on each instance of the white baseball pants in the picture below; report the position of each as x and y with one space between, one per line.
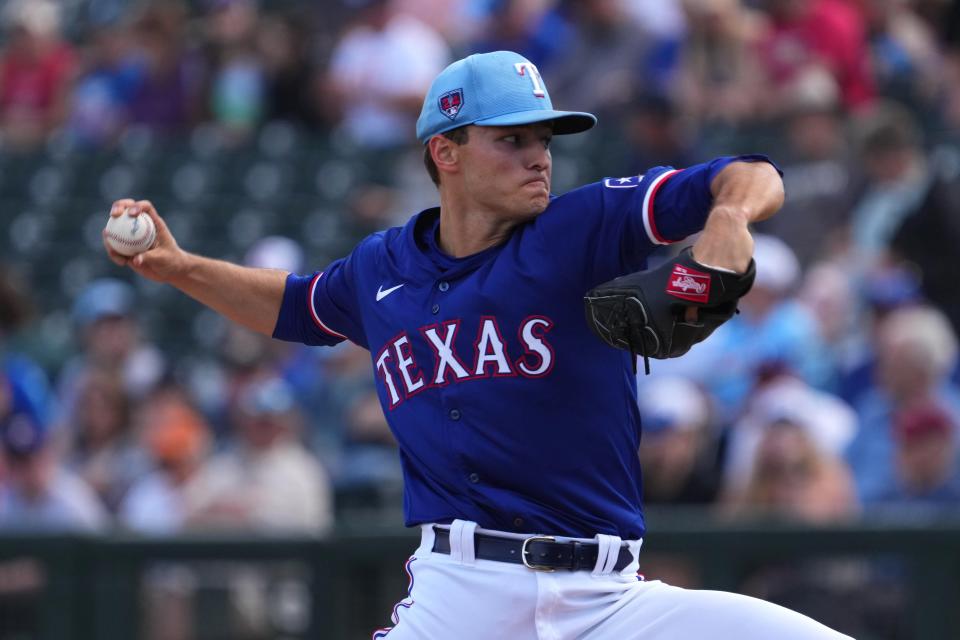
459 597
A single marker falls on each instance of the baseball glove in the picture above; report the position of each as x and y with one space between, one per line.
646 312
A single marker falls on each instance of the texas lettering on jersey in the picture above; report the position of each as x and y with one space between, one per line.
404 377
464 389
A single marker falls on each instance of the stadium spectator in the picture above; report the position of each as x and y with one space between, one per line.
718 75
365 460
109 77
379 72
809 33
237 76
603 35
454 20
36 69
245 356
178 440
663 18
291 75
906 61
266 480
104 449
908 206
829 422
169 99
829 293
38 493
949 25
21 379
678 452
656 133
532 28
897 179
791 477
818 170
111 343
883 290
932 231
916 352
928 474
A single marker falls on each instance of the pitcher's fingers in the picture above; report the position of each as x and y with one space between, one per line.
113 255
120 206
147 207
144 205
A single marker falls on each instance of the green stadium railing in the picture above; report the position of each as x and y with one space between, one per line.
92 587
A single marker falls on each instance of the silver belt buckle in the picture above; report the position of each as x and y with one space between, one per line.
524 552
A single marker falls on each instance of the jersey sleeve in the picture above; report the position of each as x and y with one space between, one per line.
620 221
676 202
321 309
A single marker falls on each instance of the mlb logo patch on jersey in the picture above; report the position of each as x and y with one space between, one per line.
689 284
451 103
631 182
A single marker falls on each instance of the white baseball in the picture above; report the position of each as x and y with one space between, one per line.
129 235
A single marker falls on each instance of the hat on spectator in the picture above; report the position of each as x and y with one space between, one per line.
175 432
38 17
672 403
829 420
916 423
891 287
813 90
777 266
103 298
275 252
495 89
271 396
21 434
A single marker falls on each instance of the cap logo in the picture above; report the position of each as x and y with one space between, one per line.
451 102
689 284
529 70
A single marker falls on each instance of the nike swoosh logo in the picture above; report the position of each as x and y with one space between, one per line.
381 294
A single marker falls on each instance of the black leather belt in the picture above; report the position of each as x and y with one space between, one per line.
540 553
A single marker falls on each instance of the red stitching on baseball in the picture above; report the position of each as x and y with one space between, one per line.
132 243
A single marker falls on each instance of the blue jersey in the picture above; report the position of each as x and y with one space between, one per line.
507 410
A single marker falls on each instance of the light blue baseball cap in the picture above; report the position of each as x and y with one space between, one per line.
495 89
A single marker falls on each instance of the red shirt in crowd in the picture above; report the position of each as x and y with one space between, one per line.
830 33
32 85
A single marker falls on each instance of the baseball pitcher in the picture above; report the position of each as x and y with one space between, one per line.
504 328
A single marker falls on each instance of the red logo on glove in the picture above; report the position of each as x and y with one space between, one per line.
689 284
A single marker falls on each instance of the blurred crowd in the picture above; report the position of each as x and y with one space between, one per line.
833 393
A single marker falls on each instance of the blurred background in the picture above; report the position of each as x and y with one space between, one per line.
166 475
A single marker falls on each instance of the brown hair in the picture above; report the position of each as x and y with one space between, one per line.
460 135
15 307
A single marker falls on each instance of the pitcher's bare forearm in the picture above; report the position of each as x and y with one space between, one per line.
248 296
752 190
743 192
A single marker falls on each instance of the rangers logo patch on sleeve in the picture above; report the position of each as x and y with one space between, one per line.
689 284
451 102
